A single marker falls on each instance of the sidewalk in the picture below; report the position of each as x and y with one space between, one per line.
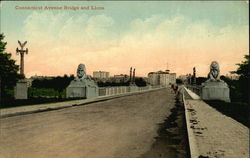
7 112
214 135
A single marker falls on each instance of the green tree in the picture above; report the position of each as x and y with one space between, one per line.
8 70
61 83
58 83
243 72
235 90
243 69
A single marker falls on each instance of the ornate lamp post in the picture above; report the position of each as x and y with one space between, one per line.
21 52
21 89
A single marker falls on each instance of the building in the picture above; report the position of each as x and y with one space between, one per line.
41 77
120 78
233 77
36 77
167 79
101 74
153 78
163 78
186 79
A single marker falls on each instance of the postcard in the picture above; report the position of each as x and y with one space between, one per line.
124 79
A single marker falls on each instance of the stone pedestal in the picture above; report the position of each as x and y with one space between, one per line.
92 90
76 89
82 89
21 90
215 90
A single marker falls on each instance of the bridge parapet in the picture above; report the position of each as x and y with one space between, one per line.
116 92
108 91
197 89
212 134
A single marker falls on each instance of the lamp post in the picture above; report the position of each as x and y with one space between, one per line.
21 52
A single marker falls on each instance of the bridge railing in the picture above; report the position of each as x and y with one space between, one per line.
103 91
195 88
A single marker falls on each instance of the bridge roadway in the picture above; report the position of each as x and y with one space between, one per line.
118 128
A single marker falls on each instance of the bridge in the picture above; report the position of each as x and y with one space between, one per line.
143 124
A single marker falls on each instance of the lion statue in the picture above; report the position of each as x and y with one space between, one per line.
214 74
81 72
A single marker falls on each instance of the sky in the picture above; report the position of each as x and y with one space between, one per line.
149 36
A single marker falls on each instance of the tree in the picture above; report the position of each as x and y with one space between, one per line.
58 83
61 83
8 70
243 72
140 82
179 81
243 69
200 80
235 90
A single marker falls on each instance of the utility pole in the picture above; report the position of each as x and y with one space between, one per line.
134 76
194 75
130 75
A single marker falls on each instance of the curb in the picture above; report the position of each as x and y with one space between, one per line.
191 138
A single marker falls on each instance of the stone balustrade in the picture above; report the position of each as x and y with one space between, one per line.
105 91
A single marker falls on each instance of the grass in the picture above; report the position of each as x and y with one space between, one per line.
45 92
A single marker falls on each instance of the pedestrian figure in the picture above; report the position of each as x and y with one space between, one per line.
175 89
172 86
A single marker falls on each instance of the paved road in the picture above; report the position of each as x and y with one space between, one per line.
118 128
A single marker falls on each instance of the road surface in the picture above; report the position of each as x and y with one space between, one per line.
125 127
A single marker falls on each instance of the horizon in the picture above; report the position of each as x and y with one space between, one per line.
150 37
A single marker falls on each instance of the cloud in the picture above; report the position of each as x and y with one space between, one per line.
62 29
59 42
184 43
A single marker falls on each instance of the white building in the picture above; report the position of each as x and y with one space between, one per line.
163 78
154 78
100 74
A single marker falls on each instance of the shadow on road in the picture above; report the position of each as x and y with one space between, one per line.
172 140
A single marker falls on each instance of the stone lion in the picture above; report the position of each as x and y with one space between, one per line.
81 72
214 73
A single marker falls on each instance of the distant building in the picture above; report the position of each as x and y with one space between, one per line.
163 78
35 77
153 78
121 76
233 77
183 77
100 74
186 79
41 77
